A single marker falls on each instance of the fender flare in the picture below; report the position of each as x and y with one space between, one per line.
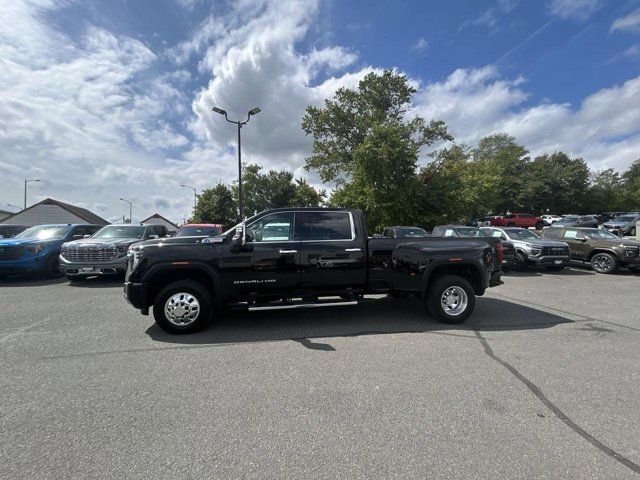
445 262
597 250
192 265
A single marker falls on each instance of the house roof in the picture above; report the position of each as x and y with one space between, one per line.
83 213
160 217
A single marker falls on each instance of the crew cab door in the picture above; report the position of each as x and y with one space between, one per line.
269 261
578 245
332 251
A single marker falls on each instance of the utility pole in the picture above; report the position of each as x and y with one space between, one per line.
25 190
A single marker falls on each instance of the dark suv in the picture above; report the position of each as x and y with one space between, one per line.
602 249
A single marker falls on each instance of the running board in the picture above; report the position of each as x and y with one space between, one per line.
302 305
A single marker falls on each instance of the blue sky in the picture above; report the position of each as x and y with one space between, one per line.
103 99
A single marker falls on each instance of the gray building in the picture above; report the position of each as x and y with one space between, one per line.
157 219
4 214
52 211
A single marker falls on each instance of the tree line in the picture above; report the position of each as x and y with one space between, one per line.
367 143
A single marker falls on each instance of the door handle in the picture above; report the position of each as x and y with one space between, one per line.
352 249
288 251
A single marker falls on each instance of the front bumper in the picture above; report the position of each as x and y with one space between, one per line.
550 261
33 264
115 266
136 294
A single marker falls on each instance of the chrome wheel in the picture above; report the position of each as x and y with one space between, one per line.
182 309
454 301
602 263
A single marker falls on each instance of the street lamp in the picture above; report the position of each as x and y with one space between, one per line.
25 190
130 207
195 196
251 112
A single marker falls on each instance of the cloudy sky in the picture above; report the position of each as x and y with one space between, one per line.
112 98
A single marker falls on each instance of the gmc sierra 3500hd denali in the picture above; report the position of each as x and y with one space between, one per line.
304 257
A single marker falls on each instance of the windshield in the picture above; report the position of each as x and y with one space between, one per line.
198 231
411 233
472 232
626 218
120 231
601 234
521 234
44 232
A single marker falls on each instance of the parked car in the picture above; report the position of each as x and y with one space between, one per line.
199 230
523 220
323 253
37 249
482 221
602 249
549 219
404 232
105 252
453 231
623 224
10 231
606 216
533 250
576 221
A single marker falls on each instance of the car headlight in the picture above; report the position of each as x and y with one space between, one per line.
34 249
631 252
535 251
135 257
122 249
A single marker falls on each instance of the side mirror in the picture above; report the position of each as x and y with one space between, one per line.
239 238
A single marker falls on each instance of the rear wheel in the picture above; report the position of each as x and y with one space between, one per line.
539 225
604 263
183 307
450 299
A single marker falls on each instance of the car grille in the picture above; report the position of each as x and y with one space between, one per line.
11 252
89 254
555 251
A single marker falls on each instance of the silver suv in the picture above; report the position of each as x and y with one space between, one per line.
105 252
533 250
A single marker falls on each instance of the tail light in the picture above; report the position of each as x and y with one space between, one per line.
500 250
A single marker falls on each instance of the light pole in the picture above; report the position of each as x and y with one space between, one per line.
130 207
251 112
25 190
195 196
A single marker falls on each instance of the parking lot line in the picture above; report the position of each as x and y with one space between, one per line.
23 331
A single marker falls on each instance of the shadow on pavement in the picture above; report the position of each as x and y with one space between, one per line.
541 271
30 281
107 281
375 317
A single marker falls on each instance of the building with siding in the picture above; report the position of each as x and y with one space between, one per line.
53 211
157 219
4 214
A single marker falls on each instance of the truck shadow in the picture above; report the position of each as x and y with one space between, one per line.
30 281
377 317
573 271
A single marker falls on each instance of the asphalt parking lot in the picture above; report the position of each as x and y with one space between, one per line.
542 382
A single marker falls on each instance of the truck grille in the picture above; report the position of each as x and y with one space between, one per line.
555 251
89 254
11 252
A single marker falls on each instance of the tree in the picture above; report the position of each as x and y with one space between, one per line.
606 192
364 143
631 183
215 205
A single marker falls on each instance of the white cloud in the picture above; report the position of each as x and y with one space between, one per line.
604 129
573 9
629 23
420 45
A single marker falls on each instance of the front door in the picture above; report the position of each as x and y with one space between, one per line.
269 261
332 251
577 244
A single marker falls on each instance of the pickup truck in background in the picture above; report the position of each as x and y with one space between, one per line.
304 257
522 220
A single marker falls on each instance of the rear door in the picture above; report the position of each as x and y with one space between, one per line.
332 253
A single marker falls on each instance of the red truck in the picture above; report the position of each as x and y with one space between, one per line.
522 220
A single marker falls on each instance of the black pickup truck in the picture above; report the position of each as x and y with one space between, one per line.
301 257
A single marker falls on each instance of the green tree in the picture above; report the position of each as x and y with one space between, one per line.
606 192
631 183
364 143
215 205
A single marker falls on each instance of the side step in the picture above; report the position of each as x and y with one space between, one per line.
301 304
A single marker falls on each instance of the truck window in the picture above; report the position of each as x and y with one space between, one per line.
323 226
553 233
277 227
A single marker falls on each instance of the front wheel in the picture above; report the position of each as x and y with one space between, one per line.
183 307
604 263
451 299
520 262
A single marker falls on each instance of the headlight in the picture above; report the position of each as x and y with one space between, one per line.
135 257
631 252
535 251
122 249
34 249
